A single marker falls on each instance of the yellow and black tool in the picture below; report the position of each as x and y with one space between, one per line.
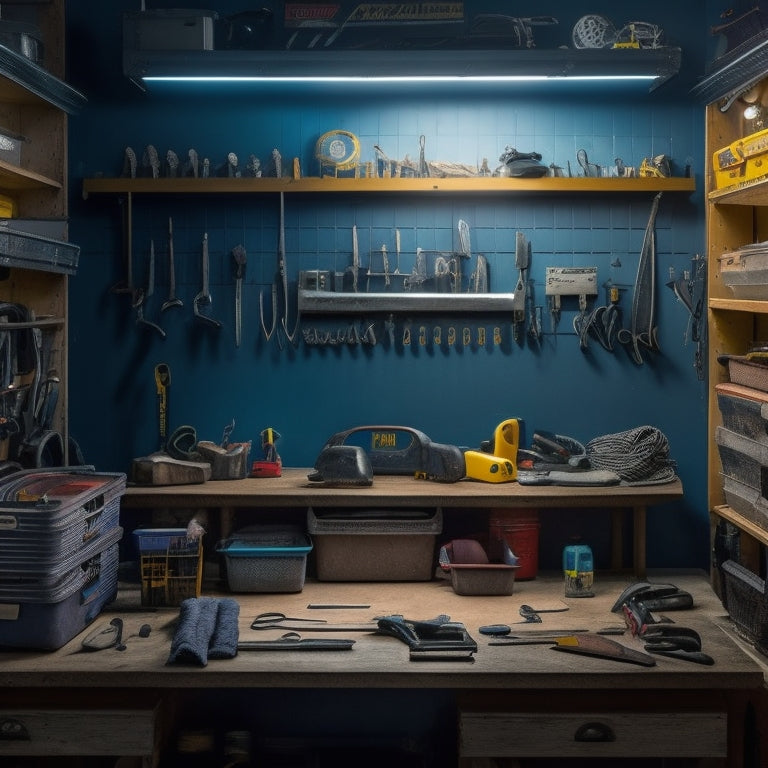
496 462
163 383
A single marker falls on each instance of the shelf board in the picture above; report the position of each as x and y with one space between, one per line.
750 193
754 530
14 178
739 305
484 185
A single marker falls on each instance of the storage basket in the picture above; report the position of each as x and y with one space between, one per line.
52 520
375 545
47 618
266 559
744 597
743 459
748 373
170 565
744 410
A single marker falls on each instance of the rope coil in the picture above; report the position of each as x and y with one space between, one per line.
640 456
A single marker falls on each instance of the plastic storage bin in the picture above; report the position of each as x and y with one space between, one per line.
744 410
266 559
375 545
170 565
48 617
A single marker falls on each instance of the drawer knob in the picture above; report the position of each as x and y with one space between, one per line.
594 732
13 730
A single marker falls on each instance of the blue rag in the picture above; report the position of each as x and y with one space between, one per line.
207 628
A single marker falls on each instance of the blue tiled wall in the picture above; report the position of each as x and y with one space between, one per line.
455 394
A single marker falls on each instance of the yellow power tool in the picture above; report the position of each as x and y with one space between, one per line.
498 464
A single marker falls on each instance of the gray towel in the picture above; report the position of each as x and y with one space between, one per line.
225 634
207 628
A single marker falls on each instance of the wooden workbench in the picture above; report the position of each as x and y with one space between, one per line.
96 695
293 489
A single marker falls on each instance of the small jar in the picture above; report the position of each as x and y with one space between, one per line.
579 570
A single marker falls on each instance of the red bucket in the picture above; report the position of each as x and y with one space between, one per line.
519 528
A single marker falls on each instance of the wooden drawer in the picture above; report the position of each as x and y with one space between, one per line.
593 734
38 732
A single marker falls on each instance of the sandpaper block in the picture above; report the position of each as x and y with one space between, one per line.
161 469
227 463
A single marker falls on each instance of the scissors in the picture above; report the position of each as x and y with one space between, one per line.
277 620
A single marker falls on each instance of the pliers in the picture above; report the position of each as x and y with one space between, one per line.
677 642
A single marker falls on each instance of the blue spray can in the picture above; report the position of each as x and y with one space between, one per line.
579 570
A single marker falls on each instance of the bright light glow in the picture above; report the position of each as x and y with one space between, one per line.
392 79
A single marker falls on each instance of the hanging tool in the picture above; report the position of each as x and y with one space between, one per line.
603 322
522 261
570 281
163 384
239 255
282 279
642 331
204 298
397 251
141 296
590 169
690 289
354 270
172 300
423 165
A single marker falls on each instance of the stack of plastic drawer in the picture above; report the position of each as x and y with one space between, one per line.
59 553
742 443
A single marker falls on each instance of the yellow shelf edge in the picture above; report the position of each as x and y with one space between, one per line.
213 185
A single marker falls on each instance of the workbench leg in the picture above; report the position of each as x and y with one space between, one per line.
617 539
226 521
639 536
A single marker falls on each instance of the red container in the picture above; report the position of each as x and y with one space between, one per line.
519 528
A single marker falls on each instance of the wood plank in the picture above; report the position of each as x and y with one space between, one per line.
295 489
382 662
314 185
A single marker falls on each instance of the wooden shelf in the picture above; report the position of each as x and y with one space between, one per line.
741 522
14 178
751 193
739 305
313 185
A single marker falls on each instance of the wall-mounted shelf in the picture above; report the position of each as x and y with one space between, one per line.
485 185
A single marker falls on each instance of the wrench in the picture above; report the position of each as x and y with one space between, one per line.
204 297
141 296
239 255
171 301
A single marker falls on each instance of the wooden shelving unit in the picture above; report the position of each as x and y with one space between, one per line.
328 185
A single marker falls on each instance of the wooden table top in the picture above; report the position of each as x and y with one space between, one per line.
294 489
377 661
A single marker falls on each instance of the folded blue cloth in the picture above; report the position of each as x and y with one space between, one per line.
207 628
223 644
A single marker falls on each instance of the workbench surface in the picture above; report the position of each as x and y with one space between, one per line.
377 661
293 488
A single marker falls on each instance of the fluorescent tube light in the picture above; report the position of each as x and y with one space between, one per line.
391 78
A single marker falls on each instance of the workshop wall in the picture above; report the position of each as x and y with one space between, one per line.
456 393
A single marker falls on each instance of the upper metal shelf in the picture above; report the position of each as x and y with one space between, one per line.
22 80
735 71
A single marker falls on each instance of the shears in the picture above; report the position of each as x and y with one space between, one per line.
277 620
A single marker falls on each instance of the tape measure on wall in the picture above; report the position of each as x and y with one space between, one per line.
337 151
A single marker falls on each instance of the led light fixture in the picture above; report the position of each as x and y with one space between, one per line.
650 66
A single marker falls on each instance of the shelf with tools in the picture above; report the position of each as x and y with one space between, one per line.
34 266
330 184
737 223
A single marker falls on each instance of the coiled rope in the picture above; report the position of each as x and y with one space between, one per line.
638 456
